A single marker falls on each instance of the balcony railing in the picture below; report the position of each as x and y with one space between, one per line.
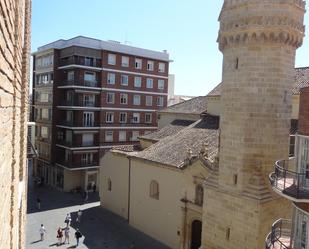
79 164
289 182
86 83
280 235
83 103
78 124
75 144
81 61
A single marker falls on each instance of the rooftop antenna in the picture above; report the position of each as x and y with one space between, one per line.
126 42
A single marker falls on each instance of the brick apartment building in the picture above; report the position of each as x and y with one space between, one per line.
90 95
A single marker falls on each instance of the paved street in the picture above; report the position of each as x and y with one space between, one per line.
100 228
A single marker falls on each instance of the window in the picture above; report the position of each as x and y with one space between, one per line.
88 61
109 117
303 237
69 116
136 117
68 155
199 195
123 117
149 83
111 78
160 101
122 136
123 98
124 61
109 136
89 99
86 158
124 80
89 76
148 100
138 63
110 98
160 84
109 184
111 59
137 81
148 117
44 97
150 65
154 190
88 119
161 67
136 100
44 132
87 139
45 113
60 136
135 135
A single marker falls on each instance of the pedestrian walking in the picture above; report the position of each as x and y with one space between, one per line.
68 219
132 246
42 231
59 236
78 235
86 196
67 235
38 203
79 216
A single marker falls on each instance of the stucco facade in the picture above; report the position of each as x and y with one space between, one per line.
167 218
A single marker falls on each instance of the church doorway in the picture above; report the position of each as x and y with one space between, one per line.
196 234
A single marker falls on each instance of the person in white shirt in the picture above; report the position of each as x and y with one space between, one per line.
79 216
42 231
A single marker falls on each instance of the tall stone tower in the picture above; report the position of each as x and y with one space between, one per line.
258 39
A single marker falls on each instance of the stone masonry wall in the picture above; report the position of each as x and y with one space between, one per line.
14 81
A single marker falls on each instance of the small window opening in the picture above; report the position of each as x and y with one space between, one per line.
235 178
236 63
228 233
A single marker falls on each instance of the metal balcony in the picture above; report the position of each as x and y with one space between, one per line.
280 235
82 61
288 182
83 83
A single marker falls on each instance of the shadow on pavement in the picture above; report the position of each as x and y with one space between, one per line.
114 232
51 199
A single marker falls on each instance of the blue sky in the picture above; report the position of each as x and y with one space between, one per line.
187 29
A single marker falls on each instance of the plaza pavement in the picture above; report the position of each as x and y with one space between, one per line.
100 228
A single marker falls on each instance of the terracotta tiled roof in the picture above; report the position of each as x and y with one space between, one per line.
216 91
301 80
172 150
195 105
168 130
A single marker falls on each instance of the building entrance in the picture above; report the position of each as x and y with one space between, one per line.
196 234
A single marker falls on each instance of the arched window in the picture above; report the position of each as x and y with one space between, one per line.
199 195
154 190
109 184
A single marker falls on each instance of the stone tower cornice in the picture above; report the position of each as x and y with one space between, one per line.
235 3
239 26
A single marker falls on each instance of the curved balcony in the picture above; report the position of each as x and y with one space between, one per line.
280 235
286 181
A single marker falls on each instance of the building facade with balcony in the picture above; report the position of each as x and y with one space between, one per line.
90 95
291 180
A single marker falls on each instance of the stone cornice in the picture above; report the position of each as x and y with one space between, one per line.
232 3
294 39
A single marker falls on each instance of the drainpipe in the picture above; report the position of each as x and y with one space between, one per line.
129 189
